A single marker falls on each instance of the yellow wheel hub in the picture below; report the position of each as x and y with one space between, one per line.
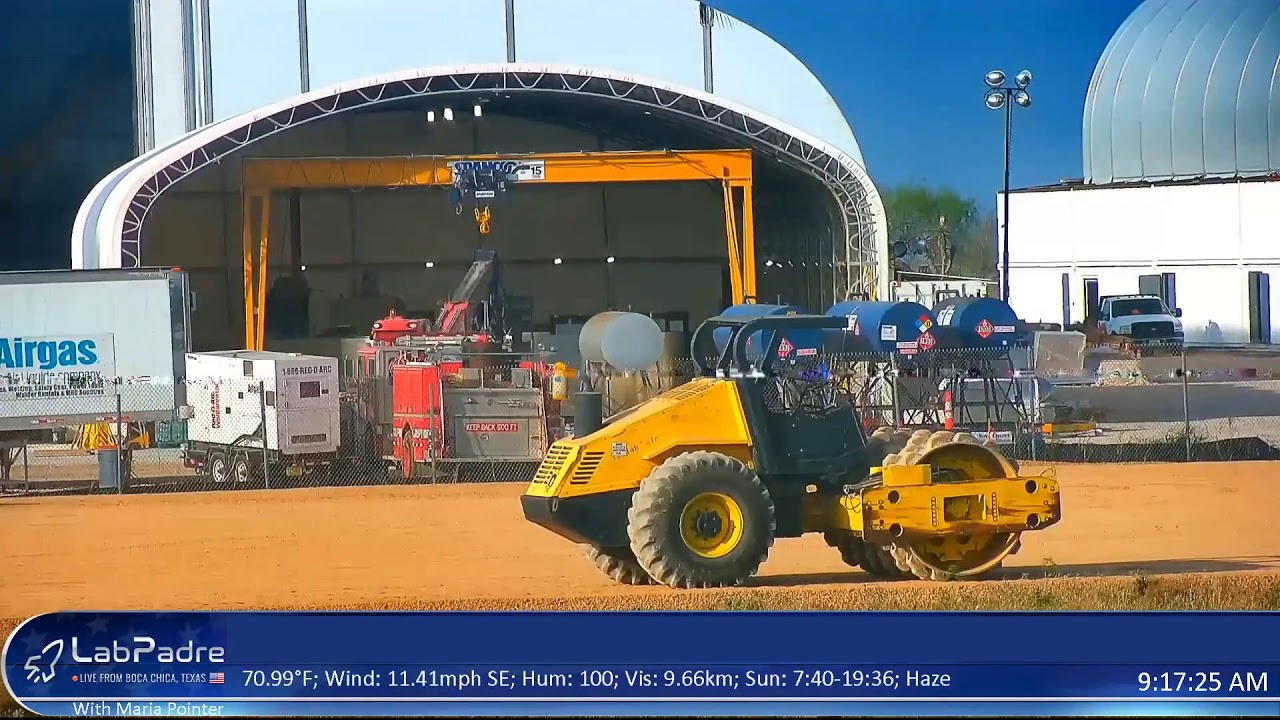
711 525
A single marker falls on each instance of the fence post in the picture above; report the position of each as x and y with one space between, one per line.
435 424
893 389
119 441
1037 420
262 408
1186 405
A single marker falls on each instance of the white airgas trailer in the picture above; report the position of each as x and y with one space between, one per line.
85 346
238 398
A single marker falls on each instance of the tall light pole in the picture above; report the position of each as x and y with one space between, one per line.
1002 96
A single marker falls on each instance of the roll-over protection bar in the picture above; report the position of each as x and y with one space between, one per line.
734 355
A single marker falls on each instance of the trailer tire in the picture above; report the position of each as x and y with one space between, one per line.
219 469
241 470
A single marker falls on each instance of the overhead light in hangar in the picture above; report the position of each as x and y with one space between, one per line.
610 259
448 114
477 110
559 261
430 264
431 116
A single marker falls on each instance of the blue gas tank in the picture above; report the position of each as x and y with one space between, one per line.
906 328
980 322
802 342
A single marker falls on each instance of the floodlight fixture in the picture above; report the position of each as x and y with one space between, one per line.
1005 97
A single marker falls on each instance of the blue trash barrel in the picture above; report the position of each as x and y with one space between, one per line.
802 342
980 322
906 328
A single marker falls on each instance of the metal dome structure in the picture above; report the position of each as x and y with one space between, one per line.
1187 89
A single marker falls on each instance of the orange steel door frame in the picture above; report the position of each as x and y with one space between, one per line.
262 176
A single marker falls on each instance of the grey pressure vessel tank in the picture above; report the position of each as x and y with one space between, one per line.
623 340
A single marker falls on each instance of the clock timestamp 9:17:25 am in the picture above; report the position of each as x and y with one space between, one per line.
1243 682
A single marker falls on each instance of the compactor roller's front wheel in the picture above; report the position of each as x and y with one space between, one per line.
954 556
619 564
701 520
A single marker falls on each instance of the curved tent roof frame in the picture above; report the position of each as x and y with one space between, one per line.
108 227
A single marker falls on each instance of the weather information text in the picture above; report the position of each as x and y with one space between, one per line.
265 664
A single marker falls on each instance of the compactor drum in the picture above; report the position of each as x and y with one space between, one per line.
691 488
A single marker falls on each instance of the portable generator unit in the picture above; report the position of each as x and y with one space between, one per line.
239 398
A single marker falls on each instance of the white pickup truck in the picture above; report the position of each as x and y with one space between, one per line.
1140 320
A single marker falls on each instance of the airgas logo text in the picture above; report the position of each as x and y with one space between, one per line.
46 354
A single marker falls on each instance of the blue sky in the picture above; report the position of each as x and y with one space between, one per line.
908 75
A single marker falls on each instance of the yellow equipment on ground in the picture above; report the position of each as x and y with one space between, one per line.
690 489
102 436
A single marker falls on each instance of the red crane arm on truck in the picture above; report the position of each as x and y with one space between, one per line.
482 277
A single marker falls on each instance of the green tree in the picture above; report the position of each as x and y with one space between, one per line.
942 231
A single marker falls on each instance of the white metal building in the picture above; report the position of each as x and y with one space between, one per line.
1181 194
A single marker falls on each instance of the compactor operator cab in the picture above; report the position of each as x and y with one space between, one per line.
691 488
801 424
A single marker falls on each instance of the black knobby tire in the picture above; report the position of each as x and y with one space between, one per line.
653 522
851 548
619 564
877 563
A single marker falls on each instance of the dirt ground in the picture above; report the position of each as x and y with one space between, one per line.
469 545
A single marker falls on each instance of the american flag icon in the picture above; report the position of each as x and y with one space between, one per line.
217 678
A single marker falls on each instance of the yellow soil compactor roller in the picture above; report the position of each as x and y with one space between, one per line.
690 489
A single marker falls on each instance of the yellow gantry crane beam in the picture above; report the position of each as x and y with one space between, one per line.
262 176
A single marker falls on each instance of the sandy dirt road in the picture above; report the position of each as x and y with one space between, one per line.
396 547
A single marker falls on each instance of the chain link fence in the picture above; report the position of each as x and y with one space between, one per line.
439 418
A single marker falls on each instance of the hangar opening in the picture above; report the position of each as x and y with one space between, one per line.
339 258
